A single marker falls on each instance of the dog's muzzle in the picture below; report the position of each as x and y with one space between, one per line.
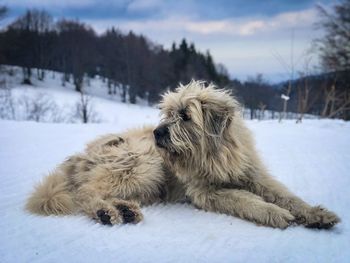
161 135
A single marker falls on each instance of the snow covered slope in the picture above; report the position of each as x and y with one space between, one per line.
62 100
312 159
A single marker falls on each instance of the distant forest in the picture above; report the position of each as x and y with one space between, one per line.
142 68
133 62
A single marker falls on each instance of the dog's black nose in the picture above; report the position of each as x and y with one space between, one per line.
160 132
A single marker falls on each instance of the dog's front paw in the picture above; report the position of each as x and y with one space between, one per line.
104 217
128 215
109 216
129 211
280 218
321 218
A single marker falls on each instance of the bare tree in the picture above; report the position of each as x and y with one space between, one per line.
305 99
7 110
335 45
289 68
329 97
342 104
336 101
335 56
262 108
84 109
40 108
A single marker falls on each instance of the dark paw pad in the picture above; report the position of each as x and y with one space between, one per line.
314 225
127 214
320 225
104 217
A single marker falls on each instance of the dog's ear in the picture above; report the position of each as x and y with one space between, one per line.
218 111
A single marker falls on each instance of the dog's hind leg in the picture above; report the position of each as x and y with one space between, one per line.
52 196
241 203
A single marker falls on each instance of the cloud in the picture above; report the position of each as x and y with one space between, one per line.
224 27
248 27
251 27
206 27
143 5
48 3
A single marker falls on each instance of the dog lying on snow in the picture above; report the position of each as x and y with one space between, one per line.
201 152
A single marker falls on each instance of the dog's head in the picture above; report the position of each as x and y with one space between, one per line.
196 121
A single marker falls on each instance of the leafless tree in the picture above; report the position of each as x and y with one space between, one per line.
7 110
335 101
289 68
40 108
262 108
306 98
335 45
335 56
84 109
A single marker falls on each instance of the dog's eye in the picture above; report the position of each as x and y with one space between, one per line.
183 115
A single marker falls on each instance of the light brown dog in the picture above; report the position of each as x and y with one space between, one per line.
201 152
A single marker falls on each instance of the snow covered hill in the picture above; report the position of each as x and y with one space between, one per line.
49 101
59 103
312 159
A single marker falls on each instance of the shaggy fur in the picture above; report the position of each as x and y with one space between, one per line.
201 152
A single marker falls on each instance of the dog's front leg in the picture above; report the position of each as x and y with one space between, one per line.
108 211
240 203
273 191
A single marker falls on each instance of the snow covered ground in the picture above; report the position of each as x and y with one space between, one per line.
312 159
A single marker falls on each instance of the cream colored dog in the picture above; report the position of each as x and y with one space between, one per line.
201 152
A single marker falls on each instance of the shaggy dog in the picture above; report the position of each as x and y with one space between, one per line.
201 152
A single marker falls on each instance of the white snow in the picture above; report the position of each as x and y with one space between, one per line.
312 159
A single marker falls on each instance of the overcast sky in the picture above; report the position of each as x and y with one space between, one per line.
243 35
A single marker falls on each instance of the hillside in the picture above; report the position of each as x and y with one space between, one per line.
58 103
61 101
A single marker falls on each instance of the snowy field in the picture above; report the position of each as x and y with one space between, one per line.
312 159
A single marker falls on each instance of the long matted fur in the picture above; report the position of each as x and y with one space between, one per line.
201 152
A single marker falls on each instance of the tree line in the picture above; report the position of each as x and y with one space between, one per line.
129 61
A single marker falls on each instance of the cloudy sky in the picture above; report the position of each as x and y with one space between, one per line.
244 35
